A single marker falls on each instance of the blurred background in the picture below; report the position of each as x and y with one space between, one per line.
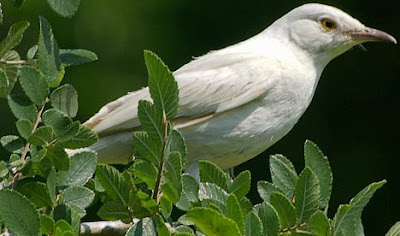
354 116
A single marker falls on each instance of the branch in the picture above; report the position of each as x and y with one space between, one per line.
16 63
111 228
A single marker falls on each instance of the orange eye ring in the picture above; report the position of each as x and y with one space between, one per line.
328 24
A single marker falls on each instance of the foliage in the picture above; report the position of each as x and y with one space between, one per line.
45 187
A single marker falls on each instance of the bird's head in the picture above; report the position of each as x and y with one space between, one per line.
326 32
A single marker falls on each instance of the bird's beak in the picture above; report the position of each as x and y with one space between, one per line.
372 35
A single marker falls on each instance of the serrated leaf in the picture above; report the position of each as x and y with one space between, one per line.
62 227
58 157
210 192
4 84
210 172
245 205
318 163
395 230
211 222
145 171
69 214
22 108
176 142
33 84
56 119
113 182
42 136
12 143
184 229
265 189
24 128
284 208
65 99
162 85
114 211
13 38
166 207
307 195
147 149
172 186
72 57
190 187
83 166
84 138
253 225
39 155
66 8
144 227
18 213
269 219
319 224
283 174
78 196
241 184
348 215
51 183
49 61
151 120
36 192
3 169
46 224
234 212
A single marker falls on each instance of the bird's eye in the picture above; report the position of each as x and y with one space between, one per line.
328 24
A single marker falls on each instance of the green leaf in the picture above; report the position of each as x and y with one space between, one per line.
65 99
114 211
395 230
1 15
48 54
18 213
78 196
5 87
348 215
83 165
63 226
190 187
151 120
3 169
147 149
145 171
176 142
283 174
33 84
172 187
11 71
210 192
17 3
72 57
69 214
113 182
13 38
241 185
265 189
234 212
162 85
284 208
319 224
144 227
24 128
184 229
12 143
307 195
84 138
319 164
70 131
22 108
162 229
51 183
253 225
66 8
46 224
210 172
212 222
58 157
245 205
166 207
36 192
42 136
32 52
56 119
269 219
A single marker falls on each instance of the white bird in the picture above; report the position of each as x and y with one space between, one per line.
238 101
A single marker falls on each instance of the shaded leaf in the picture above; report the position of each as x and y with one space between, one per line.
210 192
39 155
72 57
56 119
147 149
114 211
144 227
113 182
307 195
36 192
51 183
18 213
78 196
210 172
46 224
5 87
269 219
319 164
17 3
33 84
24 128
84 138
58 157
22 108
253 225
162 85
166 207
319 224
3 169
212 222
12 143
172 187
13 38
151 120
83 166
176 142
145 171
234 212
283 174
265 189
284 208
42 136
66 8
65 99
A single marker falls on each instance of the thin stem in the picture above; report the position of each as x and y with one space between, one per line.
17 62
299 225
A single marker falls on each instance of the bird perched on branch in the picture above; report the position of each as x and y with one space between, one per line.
238 101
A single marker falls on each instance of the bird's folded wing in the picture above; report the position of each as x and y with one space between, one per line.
208 85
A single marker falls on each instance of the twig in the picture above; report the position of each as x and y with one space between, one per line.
299 225
105 228
16 63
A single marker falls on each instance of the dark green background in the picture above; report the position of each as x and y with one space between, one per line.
354 116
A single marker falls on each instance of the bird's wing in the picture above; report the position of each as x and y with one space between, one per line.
208 85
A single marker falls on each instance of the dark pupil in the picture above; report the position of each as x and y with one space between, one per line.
328 24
